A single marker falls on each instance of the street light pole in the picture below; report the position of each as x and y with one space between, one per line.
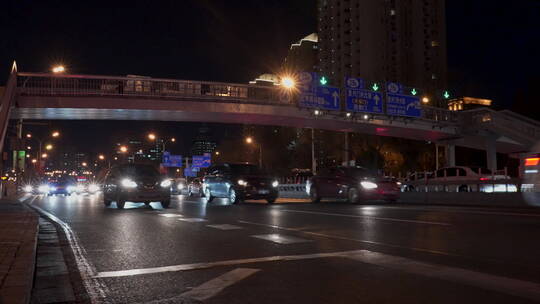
313 162
260 156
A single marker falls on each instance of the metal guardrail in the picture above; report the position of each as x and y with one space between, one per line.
503 121
36 84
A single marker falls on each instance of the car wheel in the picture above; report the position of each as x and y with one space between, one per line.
352 196
271 200
463 188
190 193
107 203
207 194
147 203
120 204
314 195
166 203
233 197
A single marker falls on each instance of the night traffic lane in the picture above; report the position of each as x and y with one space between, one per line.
230 237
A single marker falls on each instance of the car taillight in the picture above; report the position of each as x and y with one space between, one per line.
532 161
484 178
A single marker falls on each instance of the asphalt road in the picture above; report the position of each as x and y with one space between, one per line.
293 252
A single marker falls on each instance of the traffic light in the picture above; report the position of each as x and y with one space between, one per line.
323 80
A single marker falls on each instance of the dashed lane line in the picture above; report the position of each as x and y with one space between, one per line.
213 287
367 217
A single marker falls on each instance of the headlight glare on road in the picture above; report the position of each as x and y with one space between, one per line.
128 183
71 189
275 183
242 182
80 188
28 188
93 188
166 183
43 189
368 185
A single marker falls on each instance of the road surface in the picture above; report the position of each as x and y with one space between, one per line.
294 252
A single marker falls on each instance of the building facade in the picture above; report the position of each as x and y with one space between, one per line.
384 40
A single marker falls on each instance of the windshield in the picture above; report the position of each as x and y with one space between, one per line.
359 172
479 170
246 170
139 170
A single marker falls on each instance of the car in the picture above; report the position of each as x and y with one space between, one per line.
136 183
195 187
238 182
531 177
179 186
414 181
64 185
356 184
462 179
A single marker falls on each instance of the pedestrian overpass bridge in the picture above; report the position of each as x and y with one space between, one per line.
91 97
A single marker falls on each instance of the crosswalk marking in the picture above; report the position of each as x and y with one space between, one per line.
280 238
225 227
192 219
215 286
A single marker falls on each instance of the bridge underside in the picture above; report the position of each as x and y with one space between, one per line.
103 108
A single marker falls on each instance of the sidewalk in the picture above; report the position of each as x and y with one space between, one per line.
18 239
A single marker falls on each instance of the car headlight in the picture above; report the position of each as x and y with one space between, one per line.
52 188
242 182
399 183
28 188
43 188
368 185
275 183
71 188
93 188
180 186
166 183
128 183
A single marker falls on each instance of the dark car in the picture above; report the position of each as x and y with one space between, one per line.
136 183
239 182
64 185
356 184
195 187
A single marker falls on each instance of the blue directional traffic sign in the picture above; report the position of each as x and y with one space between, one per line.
364 101
189 172
171 160
198 161
326 98
307 81
403 105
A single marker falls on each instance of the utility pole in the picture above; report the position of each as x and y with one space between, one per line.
346 151
313 162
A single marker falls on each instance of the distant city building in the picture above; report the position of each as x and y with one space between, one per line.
266 80
203 142
302 56
468 103
383 40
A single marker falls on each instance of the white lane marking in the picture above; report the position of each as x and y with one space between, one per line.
197 266
466 210
368 217
280 238
225 227
192 220
170 215
215 286
496 283
94 288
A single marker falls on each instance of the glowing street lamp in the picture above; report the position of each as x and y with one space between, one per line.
249 140
55 134
101 157
58 69
173 139
217 153
28 135
123 149
34 161
152 136
48 147
44 155
425 100
84 164
288 82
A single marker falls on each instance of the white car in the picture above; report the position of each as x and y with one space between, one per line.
466 179
531 177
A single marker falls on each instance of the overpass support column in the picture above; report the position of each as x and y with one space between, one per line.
491 154
346 150
450 155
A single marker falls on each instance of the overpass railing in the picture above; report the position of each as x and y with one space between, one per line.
36 84
138 86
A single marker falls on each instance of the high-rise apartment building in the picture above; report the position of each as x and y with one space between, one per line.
383 40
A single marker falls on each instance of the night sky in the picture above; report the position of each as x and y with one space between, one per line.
492 49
